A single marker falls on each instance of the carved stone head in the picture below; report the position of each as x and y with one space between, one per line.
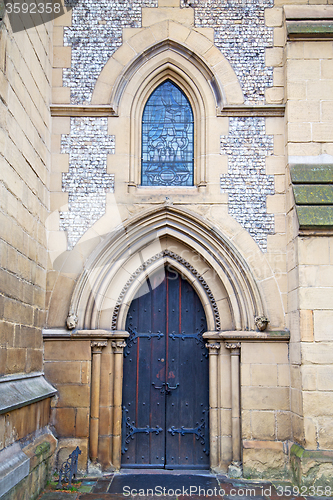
261 323
72 320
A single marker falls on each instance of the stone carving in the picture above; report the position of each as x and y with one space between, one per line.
118 346
97 345
232 345
261 323
186 264
213 348
72 320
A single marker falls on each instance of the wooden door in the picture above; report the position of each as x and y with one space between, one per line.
165 390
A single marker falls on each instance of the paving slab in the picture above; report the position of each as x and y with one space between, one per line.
102 485
164 485
173 485
58 495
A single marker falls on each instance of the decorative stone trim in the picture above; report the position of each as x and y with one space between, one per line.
266 110
118 347
213 348
232 345
318 30
97 345
67 110
172 255
216 69
23 390
309 22
312 186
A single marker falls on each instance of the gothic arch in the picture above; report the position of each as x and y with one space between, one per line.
167 232
167 39
186 269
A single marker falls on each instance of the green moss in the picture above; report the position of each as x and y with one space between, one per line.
296 450
311 174
311 29
42 448
315 216
313 194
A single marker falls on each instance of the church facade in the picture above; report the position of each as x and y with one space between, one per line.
166 240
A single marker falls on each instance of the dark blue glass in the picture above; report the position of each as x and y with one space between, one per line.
167 138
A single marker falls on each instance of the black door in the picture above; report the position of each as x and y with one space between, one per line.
165 390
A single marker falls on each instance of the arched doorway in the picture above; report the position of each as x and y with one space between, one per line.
165 389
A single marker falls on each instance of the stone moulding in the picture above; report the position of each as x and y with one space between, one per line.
305 30
136 52
313 192
255 110
249 336
77 110
109 268
309 22
160 47
17 391
107 110
145 265
14 466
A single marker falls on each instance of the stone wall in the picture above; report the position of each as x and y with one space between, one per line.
246 182
265 399
25 149
24 200
245 194
68 367
309 72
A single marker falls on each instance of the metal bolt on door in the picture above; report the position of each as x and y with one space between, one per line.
165 390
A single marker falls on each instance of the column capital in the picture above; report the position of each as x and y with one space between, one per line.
233 346
97 345
213 348
118 346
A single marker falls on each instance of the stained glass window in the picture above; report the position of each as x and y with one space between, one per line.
167 138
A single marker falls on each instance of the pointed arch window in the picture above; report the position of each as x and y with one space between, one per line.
167 138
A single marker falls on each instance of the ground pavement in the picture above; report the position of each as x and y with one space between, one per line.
178 485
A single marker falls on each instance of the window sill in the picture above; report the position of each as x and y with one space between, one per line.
165 190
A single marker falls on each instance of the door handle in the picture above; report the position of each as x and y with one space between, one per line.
168 388
162 387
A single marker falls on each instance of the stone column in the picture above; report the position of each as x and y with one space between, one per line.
96 346
213 348
118 349
235 468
